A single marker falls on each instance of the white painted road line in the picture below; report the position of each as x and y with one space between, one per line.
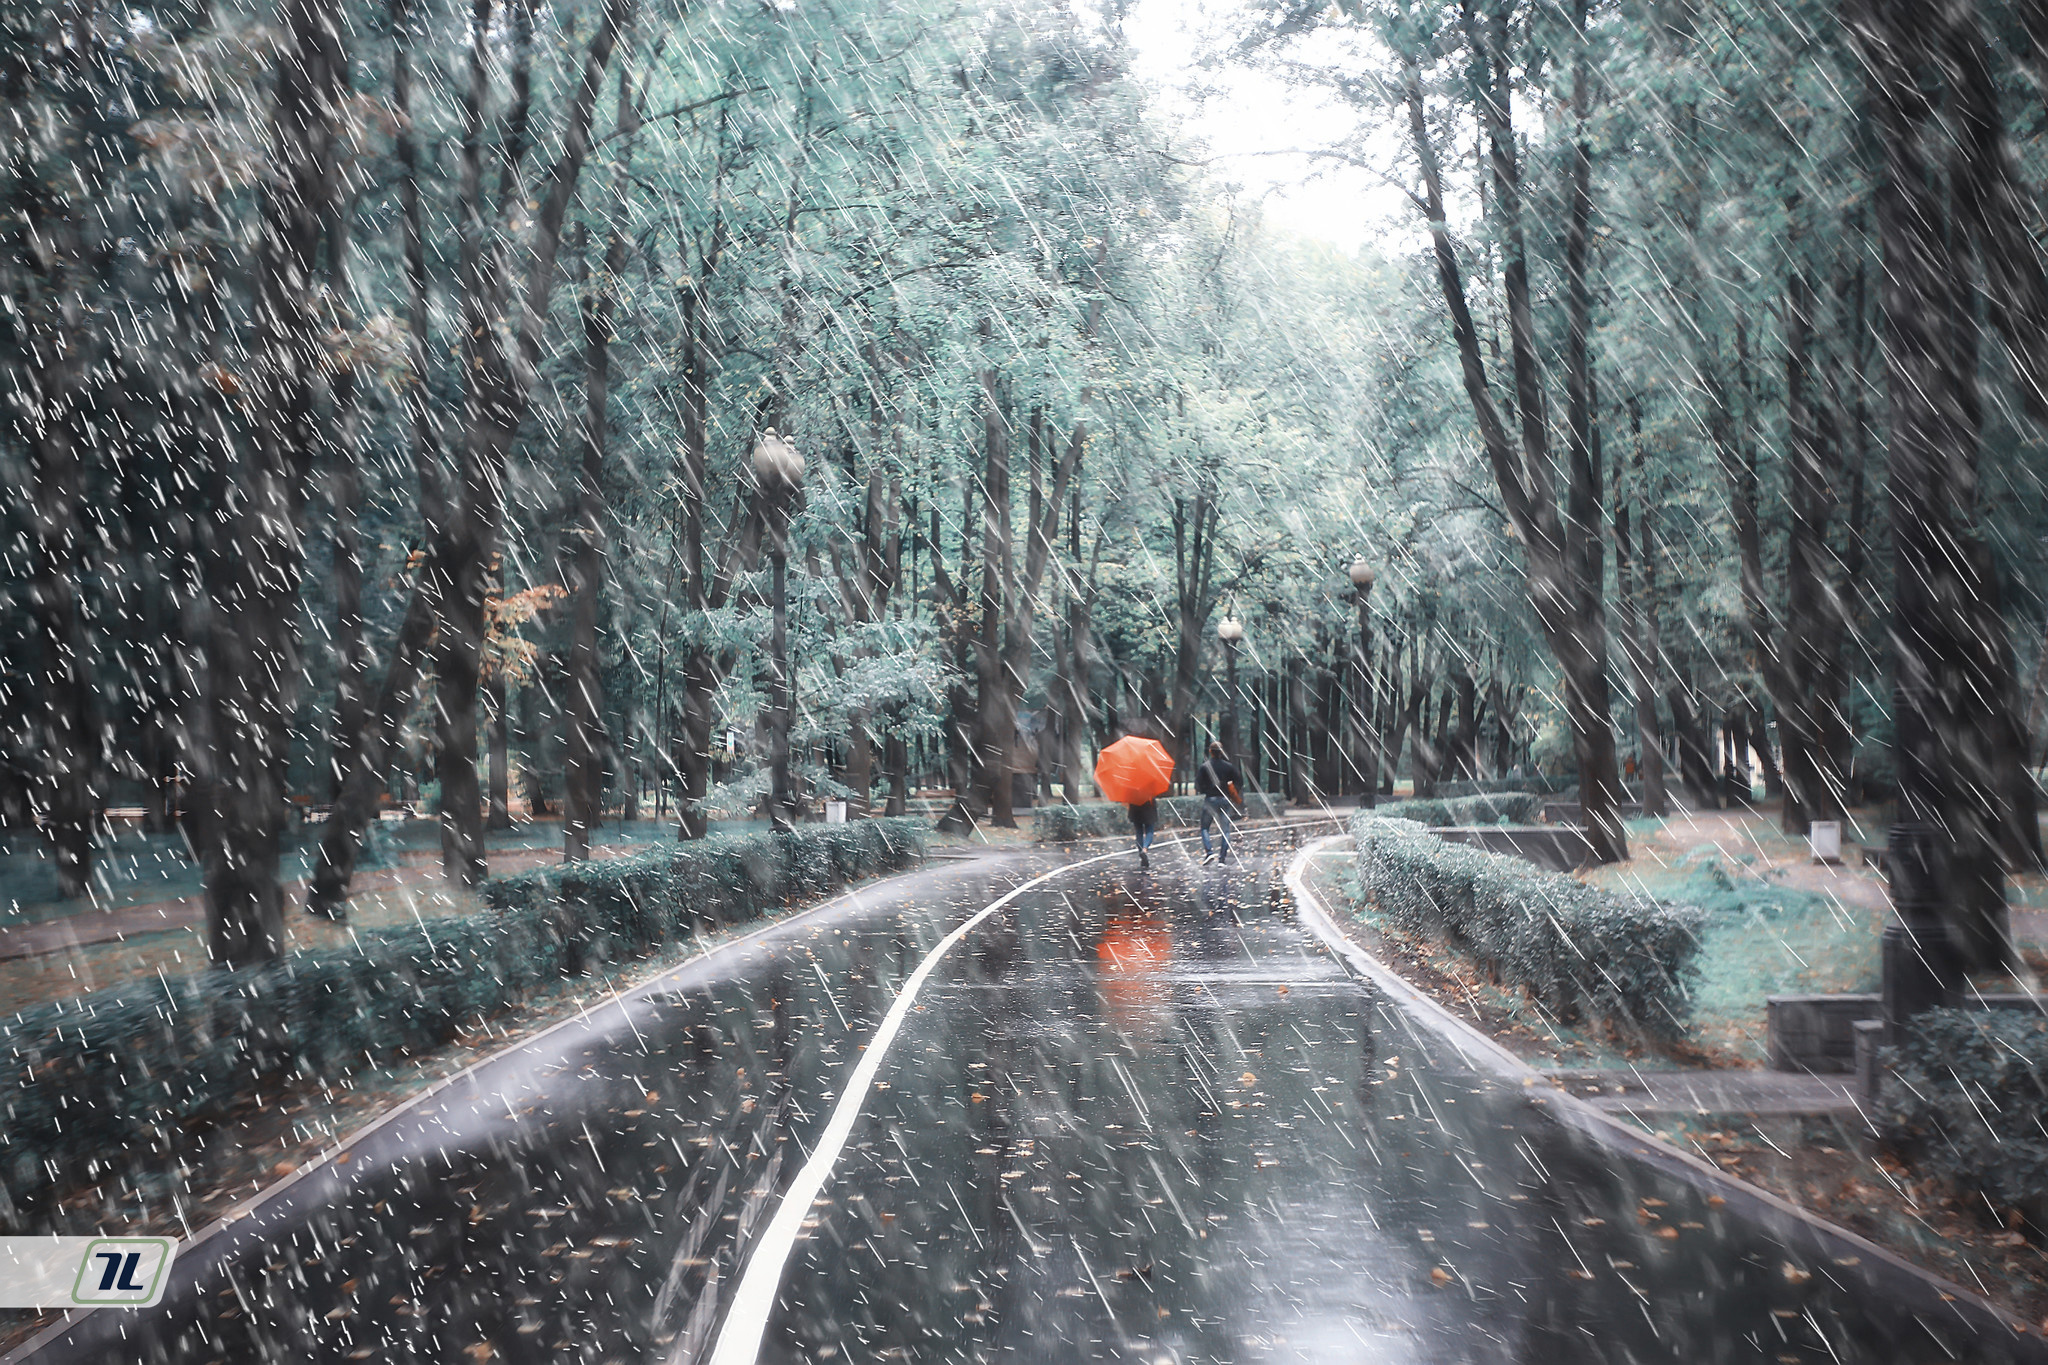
753 1299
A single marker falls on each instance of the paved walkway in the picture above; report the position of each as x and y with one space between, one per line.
1712 1092
955 1117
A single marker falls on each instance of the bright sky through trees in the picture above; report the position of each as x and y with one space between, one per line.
1250 119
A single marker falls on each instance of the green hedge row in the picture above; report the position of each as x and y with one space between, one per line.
100 1083
1100 819
1581 952
1967 1100
1493 786
1516 808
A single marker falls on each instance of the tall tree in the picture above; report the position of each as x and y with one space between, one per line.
1948 641
1560 546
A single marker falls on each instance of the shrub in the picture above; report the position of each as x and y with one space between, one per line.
1091 820
1101 819
1580 951
118 1071
1493 786
1517 808
1965 1101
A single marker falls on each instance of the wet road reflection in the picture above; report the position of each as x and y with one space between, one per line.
1150 1119
1141 1118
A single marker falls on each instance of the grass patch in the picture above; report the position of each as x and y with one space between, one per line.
1759 938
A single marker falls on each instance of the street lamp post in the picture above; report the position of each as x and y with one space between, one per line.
779 472
1230 630
1361 582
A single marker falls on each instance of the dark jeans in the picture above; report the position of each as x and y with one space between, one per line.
1216 808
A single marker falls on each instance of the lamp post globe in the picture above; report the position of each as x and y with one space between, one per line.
1361 574
778 464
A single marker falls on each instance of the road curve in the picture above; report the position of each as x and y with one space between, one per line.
1125 1116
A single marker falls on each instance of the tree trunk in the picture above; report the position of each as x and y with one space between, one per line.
1736 447
1194 564
1584 660
996 708
1463 749
1947 883
690 751
351 658
583 779
1300 766
1080 666
1325 719
355 805
1640 651
1695 765
500 382
68 733
865 592
376 745
253 653
963 727
896 758
1560 554
344 496
1807 713
501 753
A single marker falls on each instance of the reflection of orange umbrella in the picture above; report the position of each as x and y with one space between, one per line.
1135 954
1134 770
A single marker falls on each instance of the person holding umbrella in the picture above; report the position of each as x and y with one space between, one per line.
1144 825
1137 772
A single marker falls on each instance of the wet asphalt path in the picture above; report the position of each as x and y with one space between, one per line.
1130 1117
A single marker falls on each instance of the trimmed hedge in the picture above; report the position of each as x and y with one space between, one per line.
104 1081
1091 820
1494 786
1516 808
1100 819
1581 952
1967 1100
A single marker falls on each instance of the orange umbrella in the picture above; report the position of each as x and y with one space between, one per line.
1134 770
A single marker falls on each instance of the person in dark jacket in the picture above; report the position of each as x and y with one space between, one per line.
1144 824
1216 781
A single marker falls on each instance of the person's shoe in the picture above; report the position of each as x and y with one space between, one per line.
1144 860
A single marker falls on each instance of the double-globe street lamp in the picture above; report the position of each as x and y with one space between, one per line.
1361 582
778 473
1230 631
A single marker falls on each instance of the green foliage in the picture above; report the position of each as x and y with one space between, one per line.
1965 1099
1064 824
1513 808
1487 786
107 1077
1579 951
